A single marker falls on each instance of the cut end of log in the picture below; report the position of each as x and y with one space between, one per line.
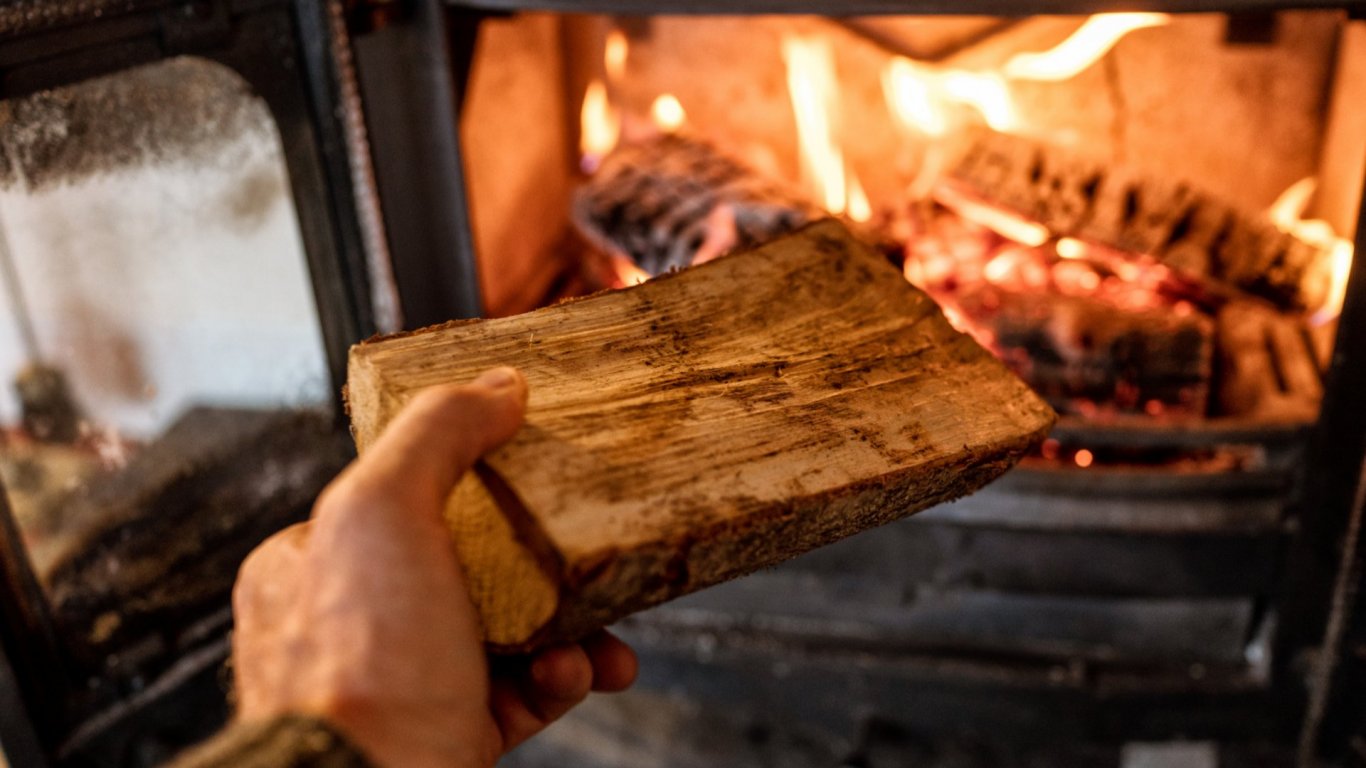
704 425
514 596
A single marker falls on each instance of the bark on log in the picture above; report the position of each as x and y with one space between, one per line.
703 425
1184 228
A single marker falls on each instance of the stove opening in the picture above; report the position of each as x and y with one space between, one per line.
1146 216
1143 214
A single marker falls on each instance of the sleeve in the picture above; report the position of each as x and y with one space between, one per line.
285 742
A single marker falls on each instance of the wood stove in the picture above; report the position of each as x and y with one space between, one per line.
1172 565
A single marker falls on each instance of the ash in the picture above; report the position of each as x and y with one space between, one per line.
182 110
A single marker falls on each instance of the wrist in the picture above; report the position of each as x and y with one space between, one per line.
394 735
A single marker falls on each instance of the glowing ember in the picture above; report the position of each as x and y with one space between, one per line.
999 220
1084 458
599 126
1083 48
667 113
1071 248
614 55
811 85
1075 278
1075 328
1287 214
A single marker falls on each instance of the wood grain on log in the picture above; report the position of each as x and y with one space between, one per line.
700 426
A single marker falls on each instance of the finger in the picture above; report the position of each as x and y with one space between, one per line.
614 663
556 676
553 683
267 582
264 597
438 436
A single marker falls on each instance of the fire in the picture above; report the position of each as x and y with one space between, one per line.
1287 213
999 220
906 86
811 85
1340 267
626 271
859 208
614 55
1070 248
987 93
668 113
599 126
1088 44
922 98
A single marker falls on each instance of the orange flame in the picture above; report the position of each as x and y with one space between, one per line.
906 86
859 208
987 93
1287 213
1083 48
626 271
813 88
668 113
614 55
1003 222
599 126
921 97
811 85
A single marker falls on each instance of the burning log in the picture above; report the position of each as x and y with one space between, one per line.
1200 237
1079 352
1268 365
698 427
663 201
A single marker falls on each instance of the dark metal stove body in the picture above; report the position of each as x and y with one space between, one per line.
293 55
911 654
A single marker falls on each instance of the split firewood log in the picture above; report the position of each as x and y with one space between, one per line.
703 425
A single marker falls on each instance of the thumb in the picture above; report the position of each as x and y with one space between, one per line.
439 435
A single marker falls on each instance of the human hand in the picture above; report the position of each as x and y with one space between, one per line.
361 616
